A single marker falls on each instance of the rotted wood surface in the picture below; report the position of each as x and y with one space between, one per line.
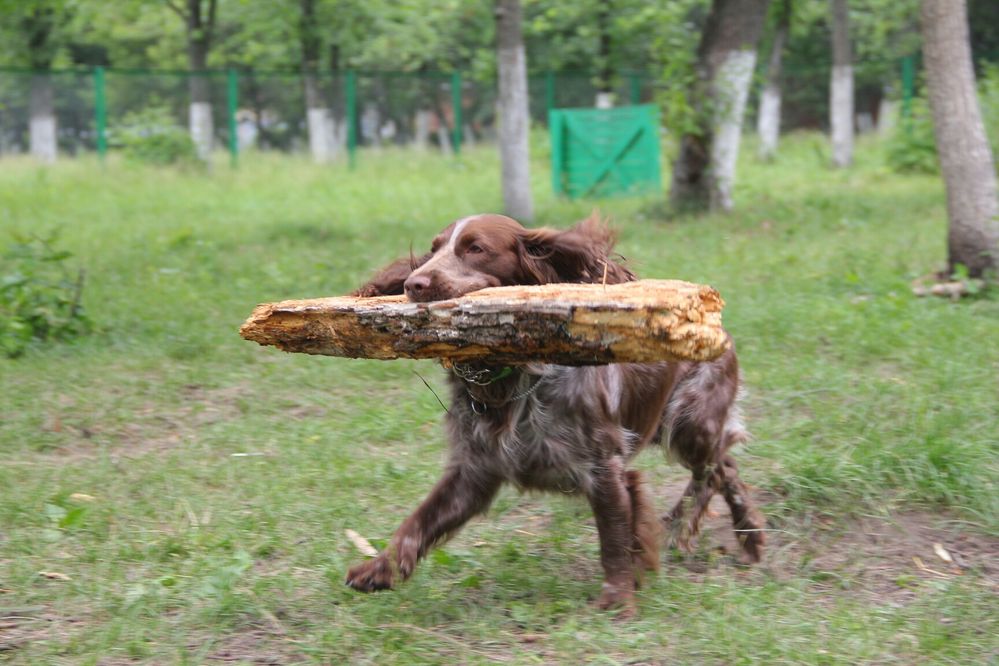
568 324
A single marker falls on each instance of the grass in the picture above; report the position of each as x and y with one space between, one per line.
195 488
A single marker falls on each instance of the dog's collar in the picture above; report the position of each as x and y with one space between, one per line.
479 407
480 376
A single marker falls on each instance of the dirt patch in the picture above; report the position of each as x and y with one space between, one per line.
26 625
881 559
884 558
255 645
150 429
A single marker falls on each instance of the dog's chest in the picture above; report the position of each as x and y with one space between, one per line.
533 450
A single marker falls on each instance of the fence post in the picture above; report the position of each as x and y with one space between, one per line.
908 85
635 88
549 92
350 97
100 113
456 109
232 100
555 120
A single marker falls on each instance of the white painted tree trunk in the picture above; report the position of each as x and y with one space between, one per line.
513 112
202 131
887 115
421 128
704 169
768 118
732 80
444 139
768 122
42 128
322 142
468 135
605 100
841 115
965 155
841 86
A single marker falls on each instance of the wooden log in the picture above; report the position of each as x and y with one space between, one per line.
568 324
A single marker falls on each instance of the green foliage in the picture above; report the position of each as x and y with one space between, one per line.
151 136
988 97
39 294
912 148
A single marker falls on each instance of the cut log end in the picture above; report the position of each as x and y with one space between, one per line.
568 324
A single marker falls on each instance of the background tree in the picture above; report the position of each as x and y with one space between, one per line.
768 120
514 115
322 139
32 35
965 156
704 171
841 86
199 17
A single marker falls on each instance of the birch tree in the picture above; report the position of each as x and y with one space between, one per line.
768 120
199 19
841 86
965 155
31 35
322 142
512 109
704 171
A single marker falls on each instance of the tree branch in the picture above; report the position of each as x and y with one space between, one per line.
177 10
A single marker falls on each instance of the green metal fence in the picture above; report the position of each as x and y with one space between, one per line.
266 110
254 110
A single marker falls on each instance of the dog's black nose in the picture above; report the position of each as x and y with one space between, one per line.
417 287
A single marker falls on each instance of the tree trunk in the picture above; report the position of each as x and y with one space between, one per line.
38 24
768 122
704 171
513 112
43 121
199 38
322 144
570 324
841 86
421 128
965 156
605 92
317 111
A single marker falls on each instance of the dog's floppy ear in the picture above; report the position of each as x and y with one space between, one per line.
579 254
389 281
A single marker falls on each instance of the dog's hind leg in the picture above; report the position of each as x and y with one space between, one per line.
683 522
747 521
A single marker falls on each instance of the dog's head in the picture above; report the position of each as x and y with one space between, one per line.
494 250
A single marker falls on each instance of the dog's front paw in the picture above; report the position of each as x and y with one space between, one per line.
620 598
373 575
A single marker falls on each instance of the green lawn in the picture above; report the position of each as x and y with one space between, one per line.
218 478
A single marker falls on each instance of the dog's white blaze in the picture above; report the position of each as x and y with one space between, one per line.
459 225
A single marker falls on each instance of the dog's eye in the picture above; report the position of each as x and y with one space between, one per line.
474 249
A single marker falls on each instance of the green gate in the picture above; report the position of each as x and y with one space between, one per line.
603 152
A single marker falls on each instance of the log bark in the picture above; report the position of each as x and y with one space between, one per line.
568 324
